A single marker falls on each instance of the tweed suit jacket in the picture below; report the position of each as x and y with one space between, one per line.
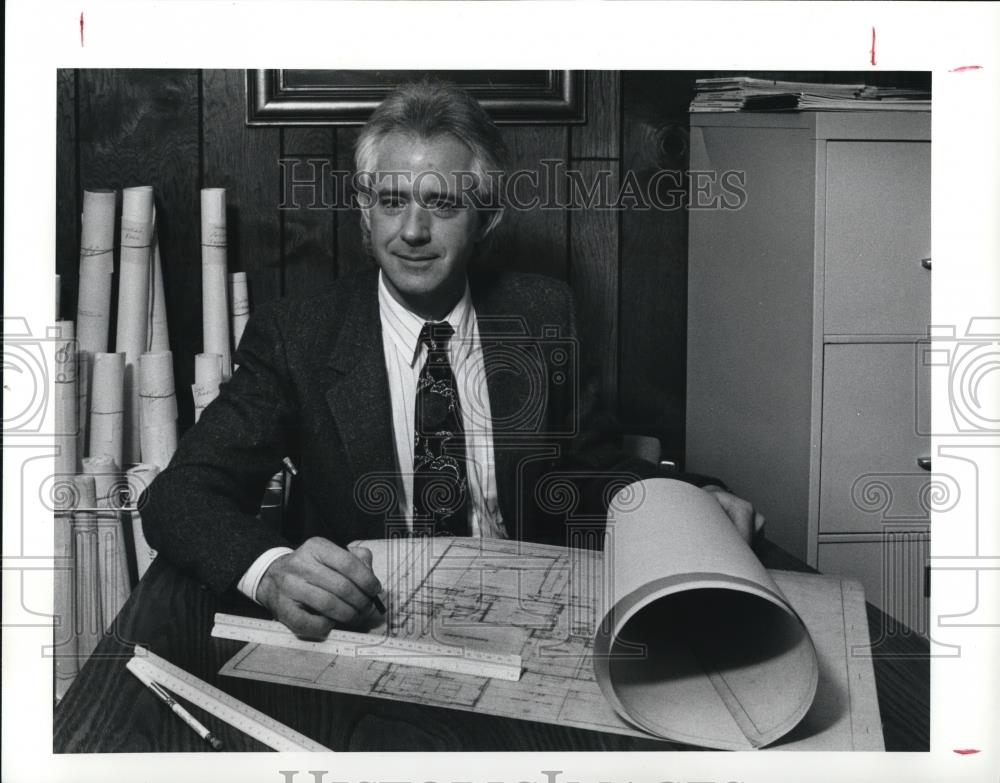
312 386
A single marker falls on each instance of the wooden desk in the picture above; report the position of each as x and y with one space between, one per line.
107 709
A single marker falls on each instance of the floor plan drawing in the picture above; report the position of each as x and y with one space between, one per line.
540 602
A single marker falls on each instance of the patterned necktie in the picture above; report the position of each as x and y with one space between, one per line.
440 486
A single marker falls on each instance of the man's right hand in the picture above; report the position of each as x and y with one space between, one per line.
318 585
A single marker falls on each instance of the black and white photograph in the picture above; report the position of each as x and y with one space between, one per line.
576 420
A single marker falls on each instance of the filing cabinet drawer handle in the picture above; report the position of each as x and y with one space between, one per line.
925 262
924 462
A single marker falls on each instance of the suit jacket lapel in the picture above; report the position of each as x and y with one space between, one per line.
517 387
359 395
359 400
506 346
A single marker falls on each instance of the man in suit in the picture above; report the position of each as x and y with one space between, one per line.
427 396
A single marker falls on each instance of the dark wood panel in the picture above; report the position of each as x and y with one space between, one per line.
140 127
653 319
244 161
351 254
594 275
534 239
317 142
67 192
308 238
599 138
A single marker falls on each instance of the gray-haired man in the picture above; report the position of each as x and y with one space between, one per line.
425 396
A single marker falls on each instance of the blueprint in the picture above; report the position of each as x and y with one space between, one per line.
541 602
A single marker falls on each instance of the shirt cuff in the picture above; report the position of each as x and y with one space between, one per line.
250 581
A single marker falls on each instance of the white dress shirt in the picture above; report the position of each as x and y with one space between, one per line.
404 359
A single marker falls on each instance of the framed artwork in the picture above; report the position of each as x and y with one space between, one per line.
316 97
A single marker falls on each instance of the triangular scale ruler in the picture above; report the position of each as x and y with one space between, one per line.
384 649
274 734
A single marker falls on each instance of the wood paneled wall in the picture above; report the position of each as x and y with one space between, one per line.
181 130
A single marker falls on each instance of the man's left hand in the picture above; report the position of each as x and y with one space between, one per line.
741 512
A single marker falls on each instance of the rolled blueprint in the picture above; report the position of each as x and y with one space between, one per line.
139 478
67 401
207 379
158 405
133 302
239 298
107 480
64 645
93 310
107 406
214 305
64 612
97 243
159 338
89 622
112 560
695 642
67 408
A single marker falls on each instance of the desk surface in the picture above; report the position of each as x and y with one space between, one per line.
107 709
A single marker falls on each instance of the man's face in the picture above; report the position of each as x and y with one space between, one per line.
421 234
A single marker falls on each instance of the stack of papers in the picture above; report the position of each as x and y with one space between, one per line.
744 93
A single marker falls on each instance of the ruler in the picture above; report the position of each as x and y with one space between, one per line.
147 665
384 649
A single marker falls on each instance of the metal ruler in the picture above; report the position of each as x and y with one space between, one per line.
384 649
274 734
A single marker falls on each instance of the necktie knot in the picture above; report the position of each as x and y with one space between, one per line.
435 335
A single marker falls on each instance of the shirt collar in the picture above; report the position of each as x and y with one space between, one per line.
403 326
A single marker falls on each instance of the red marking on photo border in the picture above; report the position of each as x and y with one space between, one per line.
873 46
81 28
965 751
963 68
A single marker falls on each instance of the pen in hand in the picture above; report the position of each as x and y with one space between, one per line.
376 601
378 604
183 714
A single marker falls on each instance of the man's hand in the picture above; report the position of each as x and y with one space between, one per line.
740 512
318 585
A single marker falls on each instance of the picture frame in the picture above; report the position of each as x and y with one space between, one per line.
282 96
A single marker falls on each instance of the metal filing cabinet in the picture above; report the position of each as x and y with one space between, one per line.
809 294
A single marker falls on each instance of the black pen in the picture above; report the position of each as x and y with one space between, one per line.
376 601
